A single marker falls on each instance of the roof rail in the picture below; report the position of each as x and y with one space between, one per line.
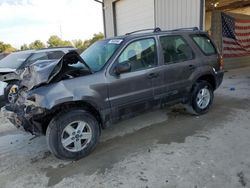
185 28
157 29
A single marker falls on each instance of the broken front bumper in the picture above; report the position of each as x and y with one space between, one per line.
10 115
23 117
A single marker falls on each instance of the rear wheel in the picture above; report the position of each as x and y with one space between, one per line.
72 135
201 98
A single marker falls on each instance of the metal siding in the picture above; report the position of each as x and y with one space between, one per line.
108 12
169 14
134 15
172 14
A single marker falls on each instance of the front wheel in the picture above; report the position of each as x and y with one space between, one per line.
201 98
11 92
73 135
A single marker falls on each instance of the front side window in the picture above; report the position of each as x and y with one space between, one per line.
175 49
204 44
140 55
98 54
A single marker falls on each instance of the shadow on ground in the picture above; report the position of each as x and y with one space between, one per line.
176 128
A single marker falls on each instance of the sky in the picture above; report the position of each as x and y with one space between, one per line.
23 21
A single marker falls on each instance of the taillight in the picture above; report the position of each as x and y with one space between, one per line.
221 62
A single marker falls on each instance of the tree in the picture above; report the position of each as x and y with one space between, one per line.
78 44
6 47
24 47
96 37
85 44
37 44
55 41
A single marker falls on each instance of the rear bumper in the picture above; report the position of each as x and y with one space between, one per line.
219 78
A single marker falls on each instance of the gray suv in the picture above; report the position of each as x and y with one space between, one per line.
72 99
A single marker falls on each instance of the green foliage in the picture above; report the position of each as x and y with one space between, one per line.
37 44
55 41
85 44
96 37
78 44
24 47
6 47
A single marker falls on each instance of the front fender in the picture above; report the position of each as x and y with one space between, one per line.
62 92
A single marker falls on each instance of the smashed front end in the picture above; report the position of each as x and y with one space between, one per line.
30 111
26 116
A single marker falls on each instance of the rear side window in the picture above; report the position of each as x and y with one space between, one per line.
204 44
175 49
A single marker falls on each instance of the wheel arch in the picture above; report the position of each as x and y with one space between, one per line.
209 78
64 107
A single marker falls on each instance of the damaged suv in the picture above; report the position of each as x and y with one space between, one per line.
72 99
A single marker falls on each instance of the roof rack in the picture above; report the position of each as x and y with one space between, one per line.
157 29
185 28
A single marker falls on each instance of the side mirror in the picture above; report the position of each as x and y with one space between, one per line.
122 68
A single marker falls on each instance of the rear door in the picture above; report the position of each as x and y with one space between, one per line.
176 68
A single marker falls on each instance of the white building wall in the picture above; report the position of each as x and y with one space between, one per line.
140 14
108 16
134 15
172 14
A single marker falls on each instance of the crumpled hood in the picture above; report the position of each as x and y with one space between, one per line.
42 72
38 73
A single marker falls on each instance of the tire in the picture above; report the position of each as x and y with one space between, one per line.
58 134
195 105
8 96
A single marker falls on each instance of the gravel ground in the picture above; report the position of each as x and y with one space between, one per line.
164 148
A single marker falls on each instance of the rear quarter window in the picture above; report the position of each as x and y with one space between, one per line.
205 44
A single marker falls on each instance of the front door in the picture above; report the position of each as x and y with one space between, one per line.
132 91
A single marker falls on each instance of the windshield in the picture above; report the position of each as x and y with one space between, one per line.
97 55
14 60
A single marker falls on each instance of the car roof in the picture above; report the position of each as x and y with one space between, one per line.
64 49
140 33
23 52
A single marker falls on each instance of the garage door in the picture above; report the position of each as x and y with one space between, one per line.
143 19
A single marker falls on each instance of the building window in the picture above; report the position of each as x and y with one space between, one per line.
175 49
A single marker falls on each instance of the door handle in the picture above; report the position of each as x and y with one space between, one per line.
191 67
152 75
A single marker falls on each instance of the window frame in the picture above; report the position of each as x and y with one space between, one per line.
211 42
175 62
115 61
